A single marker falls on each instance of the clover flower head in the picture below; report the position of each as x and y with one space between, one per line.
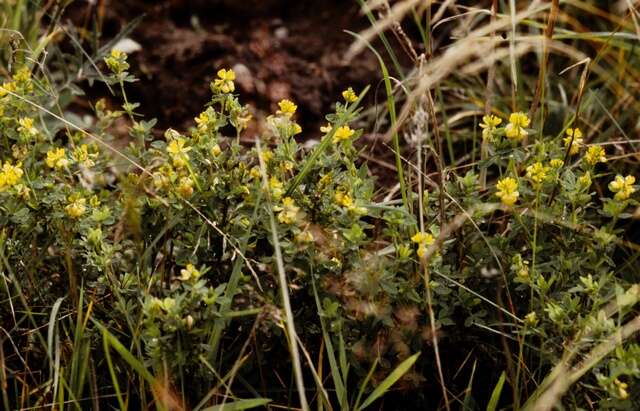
326 129
56 158
185 187
573 138
76 207
10 175
349 95
623 187
537 173
342 133
595 155
189 272
26 127
343 199
423 240
584 180
7 87
178 151
287 108
556 163
117 61
224 82
515 129
276 187
507 191
488 126
288 211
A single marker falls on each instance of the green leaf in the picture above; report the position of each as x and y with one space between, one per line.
390 380
495 395
239 405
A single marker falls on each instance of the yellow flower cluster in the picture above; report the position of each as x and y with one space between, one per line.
424 240
349 95
277 188
82 155
537 173
117 61
287 108
26 128
7 87
595 155
515 129
224 82
76 207
178 151
507 191
623 187
576 135
57 158
584 180
288 212
556 163
189 273
10 175
488 125
185 187
343 199
342 133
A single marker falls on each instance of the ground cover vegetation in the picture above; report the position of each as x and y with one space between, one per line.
232 266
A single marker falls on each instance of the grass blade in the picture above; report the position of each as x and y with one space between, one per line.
390 380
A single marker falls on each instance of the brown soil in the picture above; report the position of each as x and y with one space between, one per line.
279 49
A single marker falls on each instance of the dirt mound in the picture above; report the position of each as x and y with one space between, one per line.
279 49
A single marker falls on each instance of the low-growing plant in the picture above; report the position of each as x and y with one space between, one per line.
221 272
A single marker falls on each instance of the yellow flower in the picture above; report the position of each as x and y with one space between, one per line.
508 190
202 121
623 187
224 82
515 129
82 156
622 389
349 95
117 61
576 135
254 172
10 175
56 158
266 155
304 237
26 127
189 273
342 133
326 129
594 155
288 211
296 129
537 173
76 207
23 75
424 240
178 152
7 87
185 187
216 150
287 107
488 125
276 187
531 319
343 199
556 163
585 180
